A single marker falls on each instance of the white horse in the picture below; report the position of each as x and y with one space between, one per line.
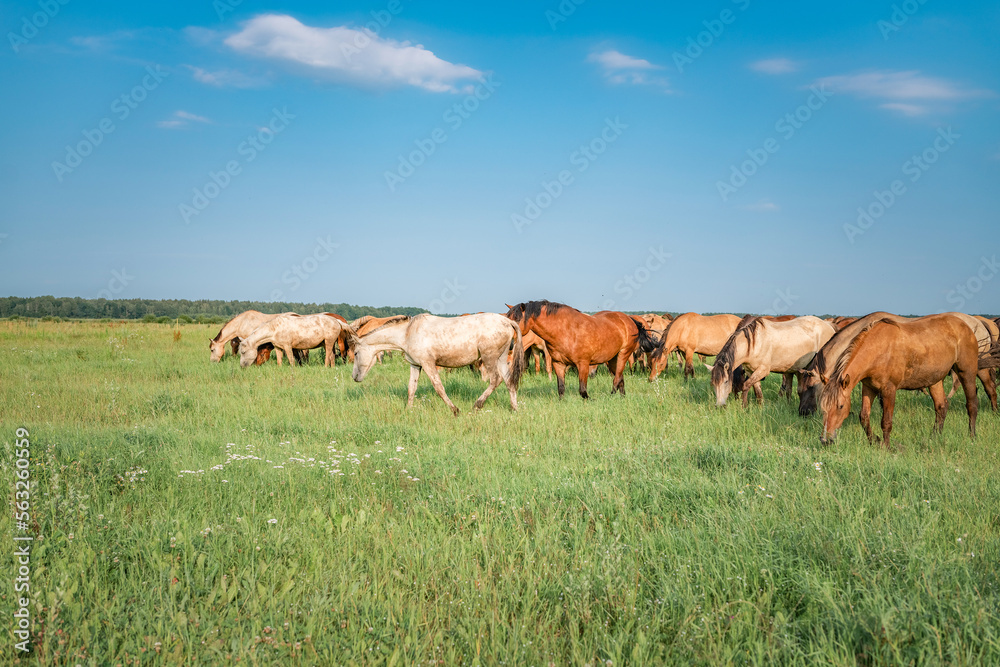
236 330
294 332
428 342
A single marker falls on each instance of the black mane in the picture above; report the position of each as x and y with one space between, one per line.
747 327
530 309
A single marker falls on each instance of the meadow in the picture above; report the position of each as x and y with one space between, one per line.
194 513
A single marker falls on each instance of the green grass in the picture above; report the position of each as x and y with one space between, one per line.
647 529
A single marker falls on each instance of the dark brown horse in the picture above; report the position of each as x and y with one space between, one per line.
888 356
581 340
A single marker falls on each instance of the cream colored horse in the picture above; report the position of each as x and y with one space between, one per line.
428 342
236 329
292 332
766 346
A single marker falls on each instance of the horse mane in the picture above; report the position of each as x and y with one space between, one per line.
845 357
748 327
531 309
219 335
395 319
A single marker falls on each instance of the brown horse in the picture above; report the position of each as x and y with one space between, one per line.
692 334
811 380
534 345
888 356
581 340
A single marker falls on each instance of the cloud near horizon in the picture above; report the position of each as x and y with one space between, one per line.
348 55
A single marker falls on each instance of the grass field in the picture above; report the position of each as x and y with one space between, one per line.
196 513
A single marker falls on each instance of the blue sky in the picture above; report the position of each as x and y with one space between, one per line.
725 156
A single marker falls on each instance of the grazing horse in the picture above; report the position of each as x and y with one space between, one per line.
235 329
811 381
582 340
887 356
292 332
534 345
767 346
692 334
428 341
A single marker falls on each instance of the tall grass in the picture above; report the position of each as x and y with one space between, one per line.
190 512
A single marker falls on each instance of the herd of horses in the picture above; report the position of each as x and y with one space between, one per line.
824 358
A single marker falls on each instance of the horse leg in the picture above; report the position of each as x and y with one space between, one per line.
786 385
290 353
971 400
329 359
278 355
560 368
411 389
954 384
432 373
494 382
235 345
868 394
688 364
988 378
888 406
940 405
759 374
759 393
583 370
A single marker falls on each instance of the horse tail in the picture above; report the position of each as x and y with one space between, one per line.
990 358
646 341
518 364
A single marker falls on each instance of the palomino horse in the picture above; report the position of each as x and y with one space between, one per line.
236 329
767 346
582 340
887 356
294 332
428 341
692 334
811 379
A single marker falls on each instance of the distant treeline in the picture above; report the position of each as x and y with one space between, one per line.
154 309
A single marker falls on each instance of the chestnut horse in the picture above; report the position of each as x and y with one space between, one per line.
811 379
692 334
887 356
236 329
765 346
582 340
429 342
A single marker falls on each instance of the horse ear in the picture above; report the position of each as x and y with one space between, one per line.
845 381
709 366
824 379
509 307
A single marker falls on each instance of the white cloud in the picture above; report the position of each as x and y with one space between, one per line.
908 92
774 66
225 78
349 55
181 119
763 206
619 68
